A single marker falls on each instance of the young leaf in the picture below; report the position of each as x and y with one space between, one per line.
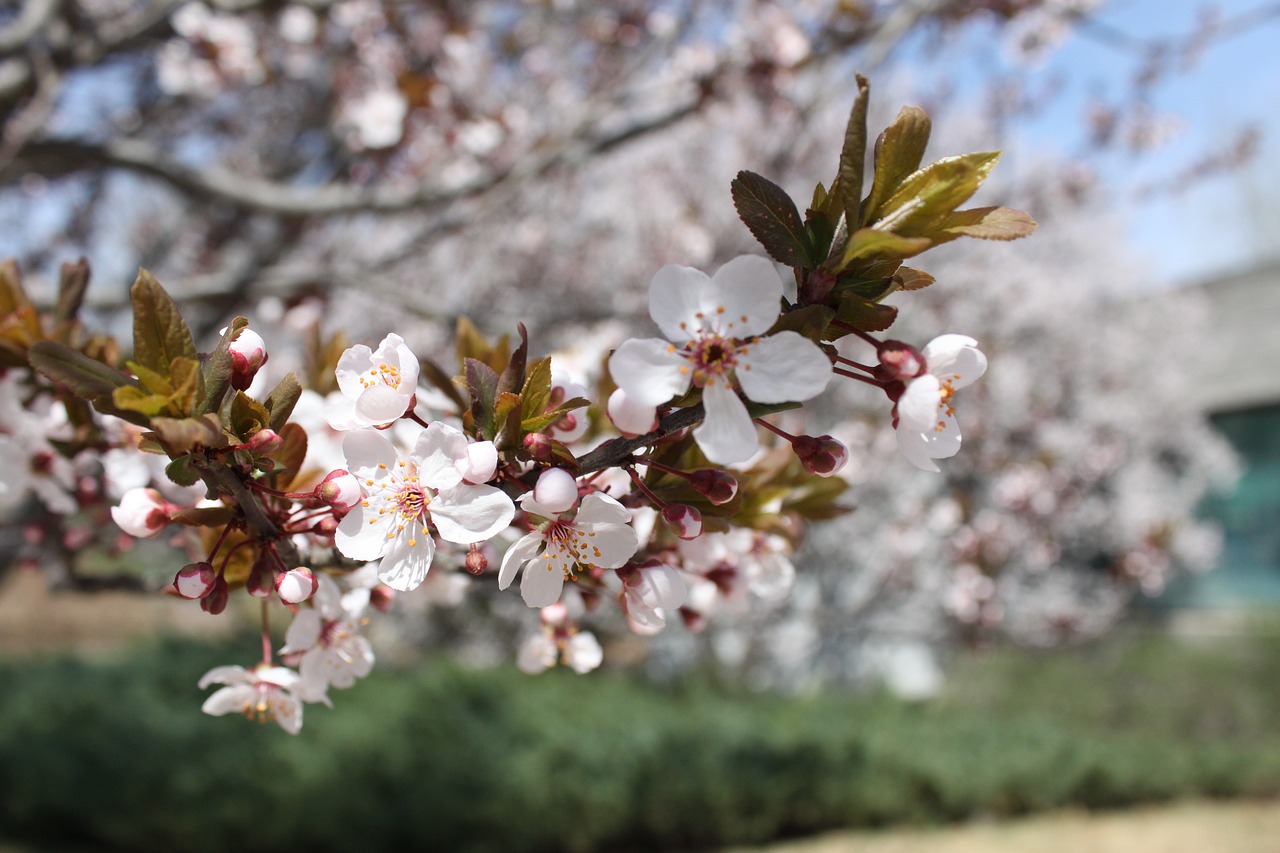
899 151
282 399
846 190
868 244
247 416
506 421
512 378
772 218
182 435
159 333
862 314
86 377
133 399
985 223
913 279
931 194
482 385
216 369
290 457
535 396
185 373
73 281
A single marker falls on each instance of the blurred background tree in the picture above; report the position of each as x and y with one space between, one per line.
390 164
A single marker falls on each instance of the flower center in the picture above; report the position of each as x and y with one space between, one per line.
384 374
946 391
569 548
411 501
713 356
267 704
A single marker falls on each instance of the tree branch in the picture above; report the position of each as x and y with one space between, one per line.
613 452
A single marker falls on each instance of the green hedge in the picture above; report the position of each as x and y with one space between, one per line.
116 754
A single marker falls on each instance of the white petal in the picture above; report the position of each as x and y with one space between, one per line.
675 299
770 576
380 404
354 362
288 712
517 555
367 451
405 566
915 446
402 357
229 700
359 539
481 462
783 368
629 417
437 452
945 442
727 435
661 587
599 508
918 406
955 357
303 633
650 371
467 514
542 583
583 653
225 675
617 543
749 290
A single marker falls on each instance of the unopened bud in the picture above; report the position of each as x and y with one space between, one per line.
216 601
340 490
538 445
477 562
326 526
556 491
683 519
900 361
262 579
141 513
296 585
823 455
248 353
817 286
265 441
715 485
382 597
196 580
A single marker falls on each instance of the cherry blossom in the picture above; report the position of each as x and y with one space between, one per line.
599 535
927 427
142 513
408 498
377 385
580 651
649 593
264 693
713 325
334 652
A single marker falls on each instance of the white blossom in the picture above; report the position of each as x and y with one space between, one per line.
377 385
263 693
410 497
927 427
713 326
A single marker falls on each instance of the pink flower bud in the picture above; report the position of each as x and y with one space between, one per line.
261 580
629 417
248 353
340 490
382 597
216 601
196 580
715 485
554 615
556 491
265 441
538 446
477 562
480 462
823 455
683 519
296 585
900 361
326 526
142 513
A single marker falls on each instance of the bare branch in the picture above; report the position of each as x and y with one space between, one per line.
611 453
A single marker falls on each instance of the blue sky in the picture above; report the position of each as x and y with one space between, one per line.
1199 231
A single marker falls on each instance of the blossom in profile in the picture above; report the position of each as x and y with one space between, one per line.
264 693
926 416
598 535
560 640
142 512
408 499
713 326
377 385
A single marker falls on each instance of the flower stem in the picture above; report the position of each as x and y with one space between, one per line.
781 433
648 493
859 377
266 635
